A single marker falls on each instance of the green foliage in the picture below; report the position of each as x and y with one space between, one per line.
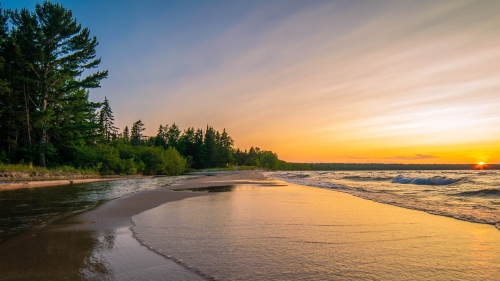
136 137
44 102
106 121
258 158
119 157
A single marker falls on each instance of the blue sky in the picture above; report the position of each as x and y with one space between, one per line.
320 81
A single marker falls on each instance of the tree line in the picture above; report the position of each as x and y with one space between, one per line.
47 63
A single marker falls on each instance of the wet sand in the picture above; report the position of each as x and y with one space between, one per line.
99 244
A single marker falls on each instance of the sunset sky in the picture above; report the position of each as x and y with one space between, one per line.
313 81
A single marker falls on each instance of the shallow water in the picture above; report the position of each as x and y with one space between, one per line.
465 195
24 208
305 233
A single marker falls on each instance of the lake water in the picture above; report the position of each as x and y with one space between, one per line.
292 232
466 195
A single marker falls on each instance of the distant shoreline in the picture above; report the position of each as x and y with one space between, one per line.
7 183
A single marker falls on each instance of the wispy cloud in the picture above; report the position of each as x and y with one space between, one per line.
414 157
325 79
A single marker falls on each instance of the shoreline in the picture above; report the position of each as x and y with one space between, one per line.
100 243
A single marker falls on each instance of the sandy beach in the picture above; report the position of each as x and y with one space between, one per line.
99 244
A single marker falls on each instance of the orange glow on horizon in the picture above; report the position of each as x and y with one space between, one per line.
330 85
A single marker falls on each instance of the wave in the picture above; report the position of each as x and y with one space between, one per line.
361 178
424 181
299 176
481 193
446 206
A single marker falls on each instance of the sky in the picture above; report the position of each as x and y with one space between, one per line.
313 81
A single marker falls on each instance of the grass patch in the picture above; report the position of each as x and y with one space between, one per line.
29 168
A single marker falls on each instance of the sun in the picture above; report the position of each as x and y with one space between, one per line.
481 163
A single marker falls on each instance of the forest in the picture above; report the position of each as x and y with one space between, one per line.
46 118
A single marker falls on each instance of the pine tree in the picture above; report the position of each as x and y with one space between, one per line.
200 152
159 140
126 134
60 51
172 135
210 147
187 143
136 133
107 121
226 153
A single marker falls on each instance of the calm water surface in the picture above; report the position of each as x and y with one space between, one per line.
296 232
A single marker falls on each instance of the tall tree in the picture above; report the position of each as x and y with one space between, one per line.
199 156
61 51
159 140
136 133
226 149
126 134
210 147
107 121
172 135
10 117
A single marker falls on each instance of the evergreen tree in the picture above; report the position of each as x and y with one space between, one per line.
10 103
172 135
126 134
107 121
136 136
160 140
200 151
210 147
187 142
60 51
226 149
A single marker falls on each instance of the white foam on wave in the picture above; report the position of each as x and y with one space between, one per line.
424 181
467 212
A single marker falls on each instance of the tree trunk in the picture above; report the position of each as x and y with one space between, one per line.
43 134
27 115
